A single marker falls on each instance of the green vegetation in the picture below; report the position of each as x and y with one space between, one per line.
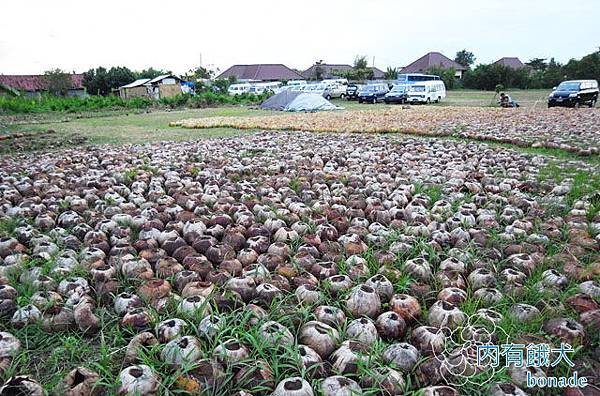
538 74
101 81
49 103
584 183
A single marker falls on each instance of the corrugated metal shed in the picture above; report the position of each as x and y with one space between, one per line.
136 83
160 78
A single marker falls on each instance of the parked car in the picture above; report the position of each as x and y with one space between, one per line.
426 92
352 92
398 94
314 88
574 93
238 89
372 93
334 90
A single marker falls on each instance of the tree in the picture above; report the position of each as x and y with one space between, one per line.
99 81
94 81
151 73
537 64
465 58
360 62
553 74
57 82
391 73
587 67
118 76
222 84
361 69
319 70
447 75
488 76
200 73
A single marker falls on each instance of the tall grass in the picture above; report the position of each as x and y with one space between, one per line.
49 103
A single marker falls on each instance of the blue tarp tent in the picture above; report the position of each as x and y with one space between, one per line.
297 101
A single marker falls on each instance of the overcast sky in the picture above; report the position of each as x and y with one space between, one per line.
77 35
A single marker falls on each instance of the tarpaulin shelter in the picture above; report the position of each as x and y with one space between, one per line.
297 101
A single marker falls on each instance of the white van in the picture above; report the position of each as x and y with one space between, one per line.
426 92
342 81
333 90
296 83
260 88
238 89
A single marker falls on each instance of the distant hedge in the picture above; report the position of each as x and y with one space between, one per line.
49 103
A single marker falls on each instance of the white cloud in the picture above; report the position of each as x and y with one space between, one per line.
78 35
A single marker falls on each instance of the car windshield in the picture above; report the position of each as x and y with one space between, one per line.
399 88
369 88
417 88
569 86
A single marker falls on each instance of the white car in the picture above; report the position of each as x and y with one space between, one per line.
238 89
426 92
334 90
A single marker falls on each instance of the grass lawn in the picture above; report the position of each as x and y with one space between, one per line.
534 98
118 128
131 127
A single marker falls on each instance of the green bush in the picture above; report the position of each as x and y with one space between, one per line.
447 75
488 76
49 103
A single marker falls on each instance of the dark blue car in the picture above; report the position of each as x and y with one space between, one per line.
372 93
574 94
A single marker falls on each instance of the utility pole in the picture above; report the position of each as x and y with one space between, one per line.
200 59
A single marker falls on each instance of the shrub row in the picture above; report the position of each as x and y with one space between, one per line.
49 103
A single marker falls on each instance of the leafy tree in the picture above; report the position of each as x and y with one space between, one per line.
57 82
361 69
447 75
360 62
537 64
465 58
118 76
200 73
587 67
100 81
553 74
319 70
488 76
391 73
222 84
95 81
151 73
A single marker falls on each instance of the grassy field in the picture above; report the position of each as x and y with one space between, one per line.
119 128
531 98
56 130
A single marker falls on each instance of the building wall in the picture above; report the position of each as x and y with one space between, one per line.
135 92
80 93
169 90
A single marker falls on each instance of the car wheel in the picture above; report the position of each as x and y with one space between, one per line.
374 100
593 103
342 96
328 97
359 100
428 101
577 105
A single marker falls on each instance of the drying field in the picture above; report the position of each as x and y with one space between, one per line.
573 131
290 263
